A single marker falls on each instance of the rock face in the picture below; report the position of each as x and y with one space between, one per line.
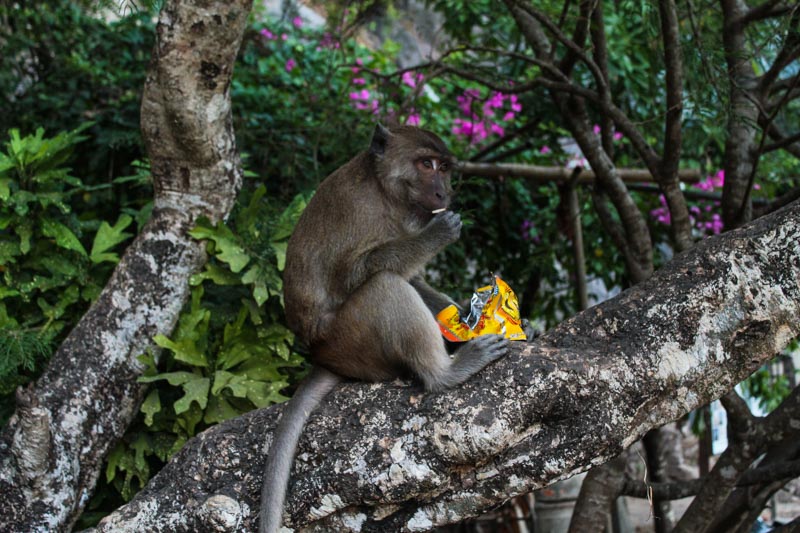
411 24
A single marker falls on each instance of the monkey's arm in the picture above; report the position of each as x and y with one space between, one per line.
406 256
434 300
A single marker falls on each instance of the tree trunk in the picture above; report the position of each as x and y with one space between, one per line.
53 447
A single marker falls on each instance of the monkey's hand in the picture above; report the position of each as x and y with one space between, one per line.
444 228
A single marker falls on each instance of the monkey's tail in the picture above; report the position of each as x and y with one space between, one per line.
284 444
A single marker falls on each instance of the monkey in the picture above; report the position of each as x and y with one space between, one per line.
353 287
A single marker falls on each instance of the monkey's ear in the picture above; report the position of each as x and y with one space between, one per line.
379 139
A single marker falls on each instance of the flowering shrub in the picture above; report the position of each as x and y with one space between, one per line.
484 116
703 214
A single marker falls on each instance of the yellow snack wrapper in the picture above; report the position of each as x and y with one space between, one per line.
494 309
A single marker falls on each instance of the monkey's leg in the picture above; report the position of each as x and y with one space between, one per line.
385 327
434 300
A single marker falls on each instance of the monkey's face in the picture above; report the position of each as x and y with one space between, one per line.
413 166
430 190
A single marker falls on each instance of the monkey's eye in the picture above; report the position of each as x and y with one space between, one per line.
444 167
427 163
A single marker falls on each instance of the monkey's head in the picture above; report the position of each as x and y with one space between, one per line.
414 168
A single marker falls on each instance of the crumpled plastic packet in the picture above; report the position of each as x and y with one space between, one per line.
493 309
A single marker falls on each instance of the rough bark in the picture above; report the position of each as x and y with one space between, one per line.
388 457
53 447
741 144
599 491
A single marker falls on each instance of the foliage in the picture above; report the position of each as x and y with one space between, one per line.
230 352
62 66
50 273
768 385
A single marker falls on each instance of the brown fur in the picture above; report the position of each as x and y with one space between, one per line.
353 289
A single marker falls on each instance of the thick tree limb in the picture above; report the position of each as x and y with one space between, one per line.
538 173
388 457
52 449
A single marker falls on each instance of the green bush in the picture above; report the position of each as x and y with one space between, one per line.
54 261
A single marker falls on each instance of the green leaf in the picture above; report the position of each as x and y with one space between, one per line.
115 459
151 406
257 392
216 274
107 237
263 394
219 410
185 350
62 235
289 217
141 447
221 380
196 391
280 253
25 231
5 191
226 243
173 378
265 281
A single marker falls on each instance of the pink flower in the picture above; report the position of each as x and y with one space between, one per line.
328 41
297 22
497 129
545 149
515 105
465 102
360 95
617 136
508 116
596 129
359 81
409 79
413 119
756 187
712 182
267 34
718 179
496 100
462 127
661 214
290 64
284 36
476 131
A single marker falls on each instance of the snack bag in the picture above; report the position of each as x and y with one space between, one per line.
492 309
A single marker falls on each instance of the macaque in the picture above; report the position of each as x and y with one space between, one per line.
354 291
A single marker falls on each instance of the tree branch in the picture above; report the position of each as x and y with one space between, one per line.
767 9
542 173
749 437
390 457
740 144
681 226
636 488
